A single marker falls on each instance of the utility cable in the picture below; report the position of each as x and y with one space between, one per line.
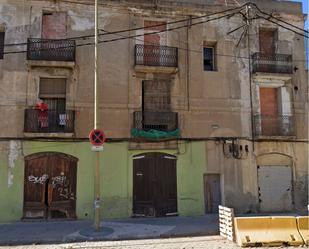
134 29
127 37
278 19
282 26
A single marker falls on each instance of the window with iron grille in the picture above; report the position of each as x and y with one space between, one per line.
52 91
156 109
209 58
156 95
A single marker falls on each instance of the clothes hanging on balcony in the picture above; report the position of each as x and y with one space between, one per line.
63 119
43 118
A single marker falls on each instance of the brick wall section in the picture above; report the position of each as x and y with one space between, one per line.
54 25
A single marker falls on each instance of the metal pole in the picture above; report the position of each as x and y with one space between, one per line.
96 124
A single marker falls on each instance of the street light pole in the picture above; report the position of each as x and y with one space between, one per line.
96 124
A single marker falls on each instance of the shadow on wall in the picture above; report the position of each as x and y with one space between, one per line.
301 193
243 203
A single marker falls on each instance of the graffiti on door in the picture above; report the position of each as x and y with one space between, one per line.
50 186
38 179
62 184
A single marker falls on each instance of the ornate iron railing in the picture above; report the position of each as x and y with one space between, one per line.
266 125
276 63
38 121
152 55
163 121
50 50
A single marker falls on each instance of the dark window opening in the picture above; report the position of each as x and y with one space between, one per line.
2 45
209 59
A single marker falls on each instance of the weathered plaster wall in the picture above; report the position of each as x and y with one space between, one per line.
116 177
219 98
240 176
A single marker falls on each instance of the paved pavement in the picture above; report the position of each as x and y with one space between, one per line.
23 233
209 242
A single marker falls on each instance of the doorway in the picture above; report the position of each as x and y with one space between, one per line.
212 193
275 188
50 186
154 185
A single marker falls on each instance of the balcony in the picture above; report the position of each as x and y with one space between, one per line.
51 50
155 125
276 63
152 58
276 126
49 121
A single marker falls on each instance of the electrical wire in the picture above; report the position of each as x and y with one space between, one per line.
134 29
282 26
278 19
166 30
124 38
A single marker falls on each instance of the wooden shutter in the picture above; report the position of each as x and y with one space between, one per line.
50 87
53 93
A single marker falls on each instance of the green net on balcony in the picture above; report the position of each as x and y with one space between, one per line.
155 134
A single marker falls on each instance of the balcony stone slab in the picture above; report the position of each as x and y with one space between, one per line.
271 79
43 63
48 135
155 69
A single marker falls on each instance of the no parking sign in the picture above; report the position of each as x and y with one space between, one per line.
97 138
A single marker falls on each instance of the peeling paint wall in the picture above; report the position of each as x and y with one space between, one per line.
209 104
13 154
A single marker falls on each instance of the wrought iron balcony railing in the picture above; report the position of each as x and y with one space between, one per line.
37 121
163 121
275 63
152 55
266 125
50 50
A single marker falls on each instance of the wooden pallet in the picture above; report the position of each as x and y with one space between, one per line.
226 222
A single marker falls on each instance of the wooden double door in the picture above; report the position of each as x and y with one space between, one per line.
154 185
50 186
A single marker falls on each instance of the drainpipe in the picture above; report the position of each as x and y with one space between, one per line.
188 62
250 76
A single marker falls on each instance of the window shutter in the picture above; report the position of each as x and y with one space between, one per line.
50 87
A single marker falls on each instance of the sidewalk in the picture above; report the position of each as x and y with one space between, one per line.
20 233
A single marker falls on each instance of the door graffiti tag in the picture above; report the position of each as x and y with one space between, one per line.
38 179
62 185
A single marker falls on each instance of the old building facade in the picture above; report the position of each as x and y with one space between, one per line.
197 111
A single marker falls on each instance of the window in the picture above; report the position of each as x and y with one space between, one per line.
156 96
209 58
1 45
53 92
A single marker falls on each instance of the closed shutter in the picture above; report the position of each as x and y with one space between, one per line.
53 93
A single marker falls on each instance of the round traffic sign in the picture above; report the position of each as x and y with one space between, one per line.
97 137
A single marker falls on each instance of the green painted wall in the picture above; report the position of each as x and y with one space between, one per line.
116 178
